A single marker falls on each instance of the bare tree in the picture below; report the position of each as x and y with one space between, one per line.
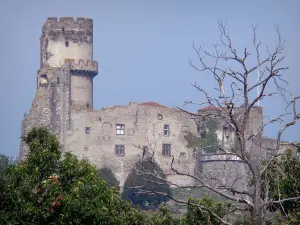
236 84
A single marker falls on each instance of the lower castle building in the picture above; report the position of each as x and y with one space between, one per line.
118 136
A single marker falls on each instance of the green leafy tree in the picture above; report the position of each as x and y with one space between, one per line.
144 188
50 189
5 161
284 182
206 214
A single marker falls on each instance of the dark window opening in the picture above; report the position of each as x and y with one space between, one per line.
145 150
88 130
57 80
67 44
198 131
88 106
166 130
166 151
119 150
120 129
63 29
182 155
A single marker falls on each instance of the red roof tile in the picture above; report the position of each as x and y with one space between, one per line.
152 104
208 108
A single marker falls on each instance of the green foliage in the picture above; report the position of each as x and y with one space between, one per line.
198 216
285 183
207 138
153 188
163 217
49 189
4 163
110 178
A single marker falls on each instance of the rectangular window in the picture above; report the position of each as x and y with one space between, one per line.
119 150
166 150
120 129
88 130
166 130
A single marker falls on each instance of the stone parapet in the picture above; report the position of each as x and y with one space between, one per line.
81 65
219 157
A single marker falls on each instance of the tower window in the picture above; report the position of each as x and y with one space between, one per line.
166 150
119 150
120 129
57 80
67 44
166 130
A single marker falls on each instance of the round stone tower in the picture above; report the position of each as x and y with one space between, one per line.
71 41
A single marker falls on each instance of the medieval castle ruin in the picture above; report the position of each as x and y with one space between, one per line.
116 136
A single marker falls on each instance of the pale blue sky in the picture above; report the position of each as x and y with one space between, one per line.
142 47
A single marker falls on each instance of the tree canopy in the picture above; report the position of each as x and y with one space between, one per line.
50 189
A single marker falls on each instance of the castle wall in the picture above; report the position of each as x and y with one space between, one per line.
82 89
51 105
58 52
144 126
225 170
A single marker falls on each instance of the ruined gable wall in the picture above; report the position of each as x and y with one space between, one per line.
51 105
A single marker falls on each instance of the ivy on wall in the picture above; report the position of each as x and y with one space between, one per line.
208 138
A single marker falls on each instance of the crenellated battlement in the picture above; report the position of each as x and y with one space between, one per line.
82 65
68 26
78 20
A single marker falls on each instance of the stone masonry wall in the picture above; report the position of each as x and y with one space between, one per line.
51 105
144 126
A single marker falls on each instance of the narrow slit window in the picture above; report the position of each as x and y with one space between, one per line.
145 150
166 130
67 44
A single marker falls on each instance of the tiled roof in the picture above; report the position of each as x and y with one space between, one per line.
152 104
208 108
